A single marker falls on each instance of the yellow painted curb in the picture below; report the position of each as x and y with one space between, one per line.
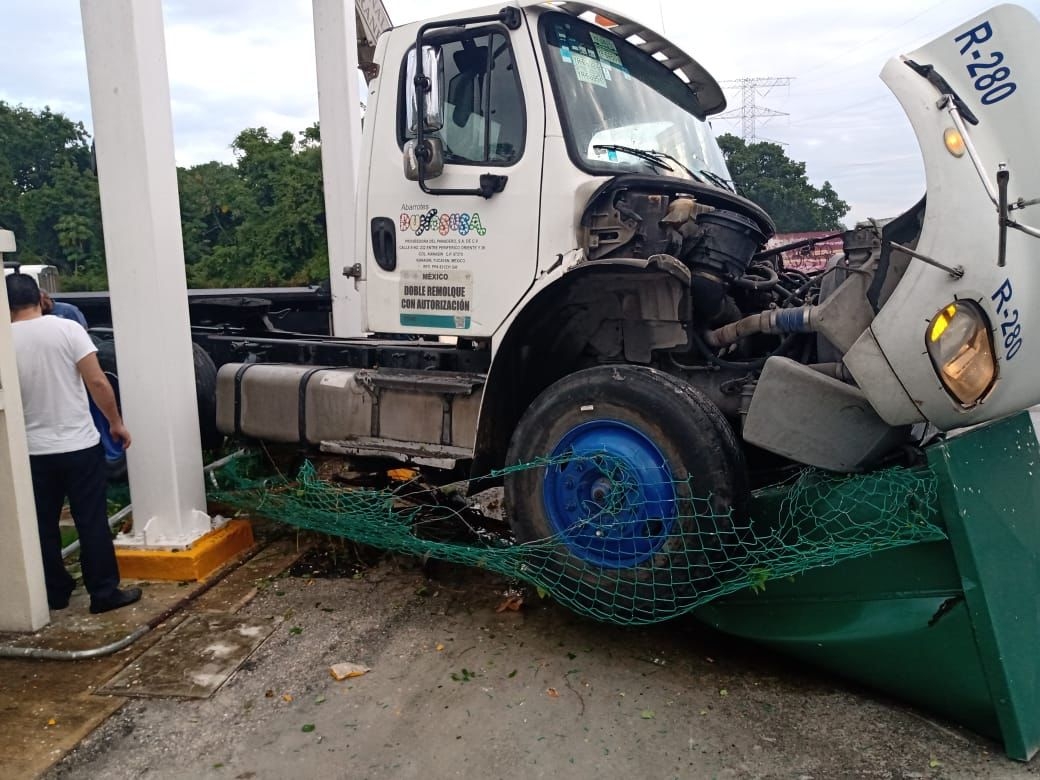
196 563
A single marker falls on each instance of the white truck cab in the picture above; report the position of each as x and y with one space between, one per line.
558 108
533 101
539 182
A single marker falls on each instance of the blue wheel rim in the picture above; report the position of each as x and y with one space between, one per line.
609 494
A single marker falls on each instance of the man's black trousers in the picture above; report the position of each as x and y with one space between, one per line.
80 476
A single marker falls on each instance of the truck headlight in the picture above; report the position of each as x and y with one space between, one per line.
961 348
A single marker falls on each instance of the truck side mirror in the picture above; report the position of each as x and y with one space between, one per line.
434 74
433 164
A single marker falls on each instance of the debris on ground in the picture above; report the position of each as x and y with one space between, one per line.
346 670
512 602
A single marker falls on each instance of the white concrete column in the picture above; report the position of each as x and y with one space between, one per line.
339 113
133 133
24 605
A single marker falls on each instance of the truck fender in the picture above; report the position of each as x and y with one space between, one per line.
587 313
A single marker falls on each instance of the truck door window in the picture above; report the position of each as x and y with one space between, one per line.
482 103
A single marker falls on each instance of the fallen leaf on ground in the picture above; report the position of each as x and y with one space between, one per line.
286 697
512 603
307 728
934 763
440 647
52 722
553 693
723 692
346 670
647 714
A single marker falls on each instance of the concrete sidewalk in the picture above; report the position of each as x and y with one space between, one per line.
47 707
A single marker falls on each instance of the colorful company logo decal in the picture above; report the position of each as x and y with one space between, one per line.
444 224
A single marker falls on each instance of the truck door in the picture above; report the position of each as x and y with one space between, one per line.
456 263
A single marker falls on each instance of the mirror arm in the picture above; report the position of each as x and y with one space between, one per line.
489 183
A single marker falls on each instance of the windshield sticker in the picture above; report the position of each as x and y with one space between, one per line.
436 299
606 50
565 54
588 69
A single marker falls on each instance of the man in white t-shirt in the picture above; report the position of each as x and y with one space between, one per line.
57 367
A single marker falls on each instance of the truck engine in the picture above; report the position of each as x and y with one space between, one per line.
742 305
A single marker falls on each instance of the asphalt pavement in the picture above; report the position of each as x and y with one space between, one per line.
462 685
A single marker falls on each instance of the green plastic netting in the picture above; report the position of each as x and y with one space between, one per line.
625 559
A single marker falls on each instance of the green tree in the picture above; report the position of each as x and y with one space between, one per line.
257 222
765 174
49 193
213 203
260 222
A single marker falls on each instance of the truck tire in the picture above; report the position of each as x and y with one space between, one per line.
206 395
106 355
205 388
655 546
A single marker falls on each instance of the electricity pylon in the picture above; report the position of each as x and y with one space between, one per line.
750 89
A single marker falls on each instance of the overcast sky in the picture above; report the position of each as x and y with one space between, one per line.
246 63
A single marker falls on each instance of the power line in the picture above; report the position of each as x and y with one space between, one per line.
751 89
886 33
838 111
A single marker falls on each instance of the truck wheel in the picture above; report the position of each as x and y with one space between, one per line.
642 497
205 388
106 355
206 394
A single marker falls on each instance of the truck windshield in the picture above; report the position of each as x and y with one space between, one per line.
622 111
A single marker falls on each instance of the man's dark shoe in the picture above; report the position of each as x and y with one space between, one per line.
120 598
59 602
56 604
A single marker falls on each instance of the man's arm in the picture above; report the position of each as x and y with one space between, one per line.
101 391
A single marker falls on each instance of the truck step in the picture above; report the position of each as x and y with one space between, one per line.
439 455
422 381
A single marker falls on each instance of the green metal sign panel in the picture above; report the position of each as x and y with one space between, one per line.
952 626
989 484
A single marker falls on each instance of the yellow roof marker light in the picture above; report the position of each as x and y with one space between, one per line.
954 142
